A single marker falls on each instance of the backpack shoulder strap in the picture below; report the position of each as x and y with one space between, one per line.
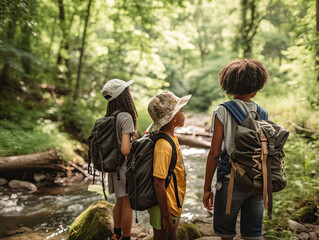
171 165
235 111
174 153
263 115
240 115
120 155
115 113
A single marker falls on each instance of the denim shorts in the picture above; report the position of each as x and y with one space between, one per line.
251 206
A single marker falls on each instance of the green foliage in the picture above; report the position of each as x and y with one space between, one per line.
204 83
77 119
16 139
27 127
144 119
23 137
299 200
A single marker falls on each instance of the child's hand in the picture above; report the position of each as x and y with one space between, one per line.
167 223
208 200
133 135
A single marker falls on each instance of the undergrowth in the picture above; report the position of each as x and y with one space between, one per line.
302 168
29 127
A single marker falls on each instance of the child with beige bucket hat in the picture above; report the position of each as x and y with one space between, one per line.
166 112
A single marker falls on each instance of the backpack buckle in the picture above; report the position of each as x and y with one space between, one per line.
271 150
218 185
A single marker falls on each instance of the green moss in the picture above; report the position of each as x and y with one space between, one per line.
188 231
308 213
95 223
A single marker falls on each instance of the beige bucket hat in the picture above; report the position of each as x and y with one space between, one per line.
163 107
114 87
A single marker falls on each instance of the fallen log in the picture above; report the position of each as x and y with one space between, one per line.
302 129
192 142
79 169
47 159
194 134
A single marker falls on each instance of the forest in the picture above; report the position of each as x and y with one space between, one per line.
57 55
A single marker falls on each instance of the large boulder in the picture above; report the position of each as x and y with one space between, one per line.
95 223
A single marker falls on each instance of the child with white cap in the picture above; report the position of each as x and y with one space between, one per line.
117 92
166 111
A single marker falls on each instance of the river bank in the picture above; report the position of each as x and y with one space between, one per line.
139 232
48 212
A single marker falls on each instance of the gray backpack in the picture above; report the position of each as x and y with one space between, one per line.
257 162
139 173
104 150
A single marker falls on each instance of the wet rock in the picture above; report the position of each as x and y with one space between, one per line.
296 227
78 177
208 238
137 229
23 230
313 236
41 235
206 229
96 222
3 181
38 177
207 220
18 184
139 232
303 236
10 233
18 230
188 231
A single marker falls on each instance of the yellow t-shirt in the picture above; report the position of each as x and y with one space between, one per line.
161 161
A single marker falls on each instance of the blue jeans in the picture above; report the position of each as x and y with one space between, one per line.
251 206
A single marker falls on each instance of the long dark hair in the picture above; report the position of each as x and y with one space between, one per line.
125 103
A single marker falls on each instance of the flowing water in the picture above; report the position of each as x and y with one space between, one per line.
56 208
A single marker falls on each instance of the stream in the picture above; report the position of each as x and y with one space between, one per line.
54 209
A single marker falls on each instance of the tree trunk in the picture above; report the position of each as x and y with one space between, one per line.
26 47
4 78
62 24
192 142
64 45
78 77
67 64
51 43
47 159
249 26
317 48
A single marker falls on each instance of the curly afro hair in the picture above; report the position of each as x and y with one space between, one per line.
241 77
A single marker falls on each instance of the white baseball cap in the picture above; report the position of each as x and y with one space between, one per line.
113 88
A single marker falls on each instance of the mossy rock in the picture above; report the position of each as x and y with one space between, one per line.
308 213
188 231
95 223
